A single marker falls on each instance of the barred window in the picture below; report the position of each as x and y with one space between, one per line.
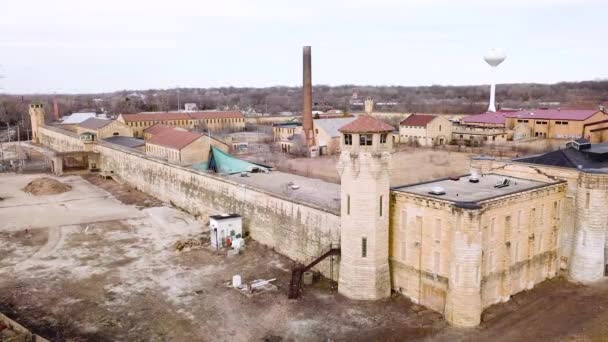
348 139
365 139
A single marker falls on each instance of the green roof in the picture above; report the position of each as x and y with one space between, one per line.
222 162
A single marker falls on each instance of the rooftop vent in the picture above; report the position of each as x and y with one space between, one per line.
503 183
474 178
437 190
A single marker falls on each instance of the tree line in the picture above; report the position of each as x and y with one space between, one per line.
276 100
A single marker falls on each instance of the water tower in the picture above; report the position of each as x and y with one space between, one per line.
494 57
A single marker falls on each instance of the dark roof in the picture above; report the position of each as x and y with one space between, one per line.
366 124
125 141
595 157
94 123
417 120
223 217
174 138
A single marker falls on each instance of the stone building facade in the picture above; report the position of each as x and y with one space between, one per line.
425 130
475 245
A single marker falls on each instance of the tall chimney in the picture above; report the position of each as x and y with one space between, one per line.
56 109
307 109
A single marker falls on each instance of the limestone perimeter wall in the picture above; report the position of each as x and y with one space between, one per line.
59 140
300 231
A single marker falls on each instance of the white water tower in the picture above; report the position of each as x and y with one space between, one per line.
494 57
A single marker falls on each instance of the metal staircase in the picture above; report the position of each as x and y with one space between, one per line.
295 285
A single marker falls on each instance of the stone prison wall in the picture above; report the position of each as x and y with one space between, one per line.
60 140
300 231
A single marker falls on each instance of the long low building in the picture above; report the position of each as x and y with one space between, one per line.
182 147
552 123
210 121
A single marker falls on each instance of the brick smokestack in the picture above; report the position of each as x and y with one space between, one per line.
55 109
307 109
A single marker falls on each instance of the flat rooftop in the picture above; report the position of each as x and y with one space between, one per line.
310 190
462 190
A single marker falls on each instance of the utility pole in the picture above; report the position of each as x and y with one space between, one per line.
8 131
178 103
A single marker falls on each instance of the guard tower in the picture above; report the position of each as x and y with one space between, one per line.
364 167
36 119
369 105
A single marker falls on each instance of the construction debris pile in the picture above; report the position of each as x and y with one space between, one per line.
180 245
253 287
46 186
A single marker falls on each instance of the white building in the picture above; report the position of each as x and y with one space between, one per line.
225 229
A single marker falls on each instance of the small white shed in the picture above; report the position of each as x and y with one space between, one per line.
224 229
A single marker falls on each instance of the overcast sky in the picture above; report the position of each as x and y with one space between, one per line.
91 46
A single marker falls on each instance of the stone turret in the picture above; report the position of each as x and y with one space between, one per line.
588 261
364 167
37 119
463 302
369 105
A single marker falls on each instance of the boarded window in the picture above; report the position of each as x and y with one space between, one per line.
437 232
584 242
436 262
542 214
380 205
404 220
519 215
587 199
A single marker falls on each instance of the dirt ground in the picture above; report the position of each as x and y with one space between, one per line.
406 164
84 266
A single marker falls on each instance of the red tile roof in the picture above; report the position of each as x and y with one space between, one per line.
159 116
418 120
216 115
175 138
366 124
155 116
487 118
554 114
157 128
